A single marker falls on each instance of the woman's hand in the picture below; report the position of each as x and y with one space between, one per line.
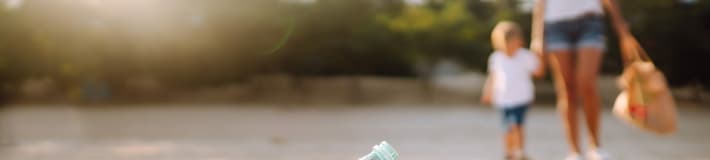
538 28
627 43
536 45
537 40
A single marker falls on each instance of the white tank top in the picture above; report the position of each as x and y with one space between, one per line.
559 10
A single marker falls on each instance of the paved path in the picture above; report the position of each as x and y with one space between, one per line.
226 132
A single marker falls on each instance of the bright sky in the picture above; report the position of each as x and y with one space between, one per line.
415 2
300 1
13 4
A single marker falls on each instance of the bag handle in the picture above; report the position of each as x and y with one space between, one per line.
630 47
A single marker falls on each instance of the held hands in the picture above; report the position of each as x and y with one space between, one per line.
536 46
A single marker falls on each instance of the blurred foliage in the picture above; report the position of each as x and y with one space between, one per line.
675 34
444 29
187 42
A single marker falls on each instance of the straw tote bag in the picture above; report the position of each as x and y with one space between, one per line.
645 100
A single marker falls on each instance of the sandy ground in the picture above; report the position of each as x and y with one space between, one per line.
324 121
280 132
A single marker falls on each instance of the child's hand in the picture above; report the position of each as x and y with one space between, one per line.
486 99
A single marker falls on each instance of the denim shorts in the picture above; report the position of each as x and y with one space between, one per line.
513 116
583 32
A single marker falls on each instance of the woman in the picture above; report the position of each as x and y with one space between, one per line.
574 43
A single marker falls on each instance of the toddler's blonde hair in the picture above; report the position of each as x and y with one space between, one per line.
503 32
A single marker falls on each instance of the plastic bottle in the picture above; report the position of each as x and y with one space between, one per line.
383 151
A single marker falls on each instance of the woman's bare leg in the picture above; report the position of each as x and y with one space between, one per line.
587 71
562 66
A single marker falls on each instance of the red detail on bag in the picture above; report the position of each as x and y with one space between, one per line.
637 111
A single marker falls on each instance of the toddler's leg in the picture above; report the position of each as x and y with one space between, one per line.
519 132
510 138
509 134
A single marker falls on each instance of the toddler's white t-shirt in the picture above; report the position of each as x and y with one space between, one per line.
512 81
